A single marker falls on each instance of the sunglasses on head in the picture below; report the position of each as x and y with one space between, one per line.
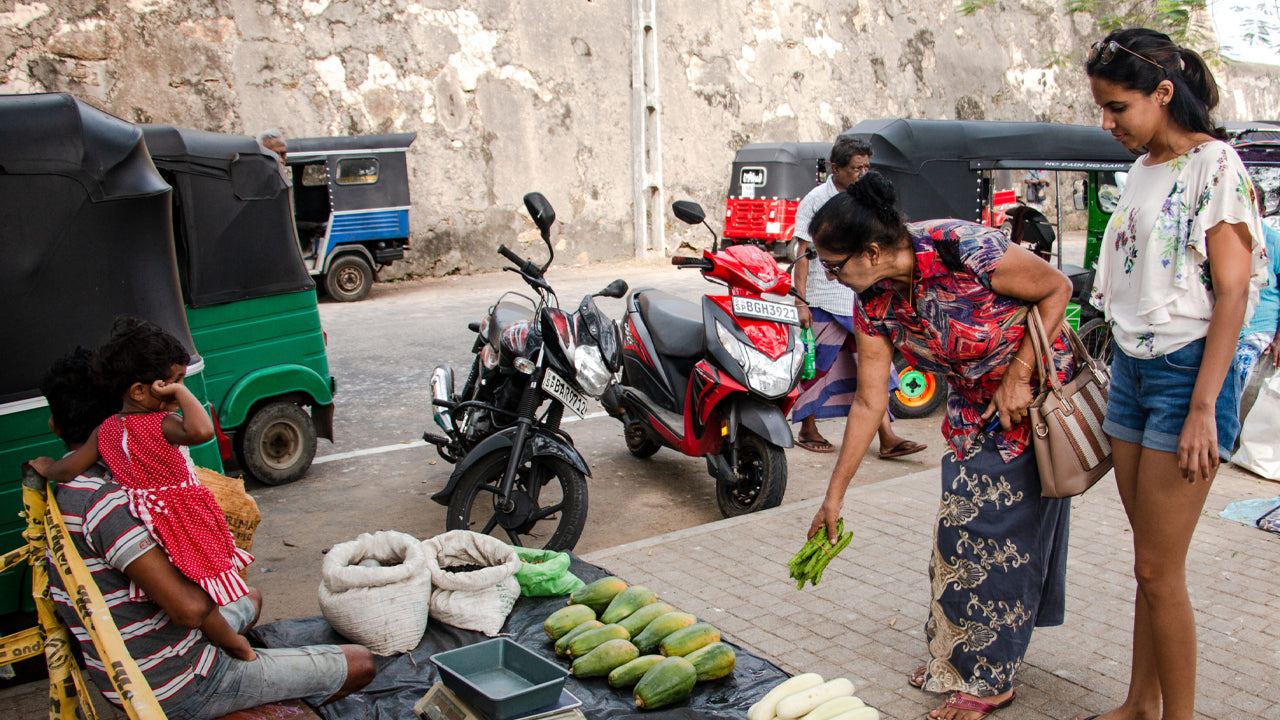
1105 51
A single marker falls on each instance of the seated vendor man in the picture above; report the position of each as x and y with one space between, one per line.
191 678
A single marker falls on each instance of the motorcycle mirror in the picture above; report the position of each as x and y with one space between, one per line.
615 289
810 254
688 211
540 210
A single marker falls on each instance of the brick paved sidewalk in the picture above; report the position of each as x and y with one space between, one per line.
866 620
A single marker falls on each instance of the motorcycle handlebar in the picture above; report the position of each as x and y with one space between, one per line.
532 273
692 262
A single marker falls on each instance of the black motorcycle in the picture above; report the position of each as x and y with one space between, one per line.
518 475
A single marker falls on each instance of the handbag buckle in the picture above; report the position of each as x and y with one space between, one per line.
1042 430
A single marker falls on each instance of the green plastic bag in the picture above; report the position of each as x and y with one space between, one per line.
545 572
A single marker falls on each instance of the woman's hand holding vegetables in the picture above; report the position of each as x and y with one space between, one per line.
828 517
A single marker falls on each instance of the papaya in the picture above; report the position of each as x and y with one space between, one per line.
666 682
625 676
604 658
598 594
664 625
627 602
562 645
589 640
636 621
686 640
713 661
565 619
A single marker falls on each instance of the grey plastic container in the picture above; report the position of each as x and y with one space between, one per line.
500 678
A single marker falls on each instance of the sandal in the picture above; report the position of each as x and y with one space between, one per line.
906 447
820 445
916 678
958 701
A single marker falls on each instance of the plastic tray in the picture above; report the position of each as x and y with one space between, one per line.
499 678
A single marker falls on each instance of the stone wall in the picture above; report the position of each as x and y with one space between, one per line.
509 96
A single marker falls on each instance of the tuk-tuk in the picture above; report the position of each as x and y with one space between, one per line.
351 201
87 237
765 188
250 301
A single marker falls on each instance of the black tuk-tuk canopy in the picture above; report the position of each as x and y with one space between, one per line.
778 170
391 190
233 220
87 235
935 164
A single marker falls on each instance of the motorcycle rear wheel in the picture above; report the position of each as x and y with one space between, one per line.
549 515
638 443
762 478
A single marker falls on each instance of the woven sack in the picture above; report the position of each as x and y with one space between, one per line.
1072 452
237 506
384 607
473 599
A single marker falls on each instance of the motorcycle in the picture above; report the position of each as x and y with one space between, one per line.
714 380
518 474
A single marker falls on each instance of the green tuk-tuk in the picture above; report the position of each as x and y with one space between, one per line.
87 237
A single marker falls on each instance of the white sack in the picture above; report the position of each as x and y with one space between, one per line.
478 599
383 608
1260 434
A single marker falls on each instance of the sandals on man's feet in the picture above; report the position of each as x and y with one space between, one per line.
818 445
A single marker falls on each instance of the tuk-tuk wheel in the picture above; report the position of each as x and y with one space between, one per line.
349 279
278 443
920 393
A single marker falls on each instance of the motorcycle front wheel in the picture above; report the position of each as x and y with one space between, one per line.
762 478
548 503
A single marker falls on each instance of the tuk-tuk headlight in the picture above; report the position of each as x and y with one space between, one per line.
593 377
769 377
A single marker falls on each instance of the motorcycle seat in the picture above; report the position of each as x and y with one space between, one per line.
506 314
674 324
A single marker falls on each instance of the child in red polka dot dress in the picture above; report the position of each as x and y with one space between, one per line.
145 446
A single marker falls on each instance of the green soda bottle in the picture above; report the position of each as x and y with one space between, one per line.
810 353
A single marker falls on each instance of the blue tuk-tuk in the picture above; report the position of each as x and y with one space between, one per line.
87 236
351 202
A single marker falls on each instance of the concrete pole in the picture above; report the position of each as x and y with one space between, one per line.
646 133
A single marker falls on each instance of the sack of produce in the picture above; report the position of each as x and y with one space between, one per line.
473 580
376 590
545 572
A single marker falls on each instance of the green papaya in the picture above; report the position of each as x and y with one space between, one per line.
636 621
625 676
627 602
565 619
686 640
589 640
713 661
648 639
604 658
562 645
598 594
667 682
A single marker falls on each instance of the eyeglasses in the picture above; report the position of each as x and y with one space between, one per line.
834 268
1105 52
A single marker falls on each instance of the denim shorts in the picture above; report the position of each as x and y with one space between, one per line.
1149 400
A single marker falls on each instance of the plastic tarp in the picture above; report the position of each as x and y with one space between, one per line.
403 679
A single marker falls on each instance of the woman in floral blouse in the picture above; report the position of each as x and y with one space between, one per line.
953 296
1181 265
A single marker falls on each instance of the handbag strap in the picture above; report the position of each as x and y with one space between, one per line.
1044 350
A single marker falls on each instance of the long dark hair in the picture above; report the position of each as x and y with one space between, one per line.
1195 93
865 213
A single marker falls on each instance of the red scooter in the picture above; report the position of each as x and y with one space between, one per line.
714 380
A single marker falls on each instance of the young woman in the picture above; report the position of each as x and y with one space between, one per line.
1181 266
953 296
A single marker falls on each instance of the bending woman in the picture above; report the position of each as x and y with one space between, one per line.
1181 266
953 296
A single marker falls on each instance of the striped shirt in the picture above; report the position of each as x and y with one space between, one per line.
108 538
819 290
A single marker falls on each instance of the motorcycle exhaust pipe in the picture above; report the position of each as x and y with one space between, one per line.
442 389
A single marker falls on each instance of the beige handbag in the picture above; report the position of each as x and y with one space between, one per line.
1072 452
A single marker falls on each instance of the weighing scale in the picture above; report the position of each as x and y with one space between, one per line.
440 703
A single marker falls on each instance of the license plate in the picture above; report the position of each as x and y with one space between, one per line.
765 310
560 389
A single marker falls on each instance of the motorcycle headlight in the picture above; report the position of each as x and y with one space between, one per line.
593 377
769 377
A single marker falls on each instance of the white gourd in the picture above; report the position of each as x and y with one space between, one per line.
766 707
794 706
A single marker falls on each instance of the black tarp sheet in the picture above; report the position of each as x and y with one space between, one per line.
403 679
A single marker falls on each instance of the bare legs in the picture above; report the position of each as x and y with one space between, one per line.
1163 510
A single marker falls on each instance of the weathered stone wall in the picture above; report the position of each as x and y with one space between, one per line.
509 96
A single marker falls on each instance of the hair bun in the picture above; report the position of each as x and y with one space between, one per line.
876 193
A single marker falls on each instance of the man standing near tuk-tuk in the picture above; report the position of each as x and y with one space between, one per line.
273 140
827 307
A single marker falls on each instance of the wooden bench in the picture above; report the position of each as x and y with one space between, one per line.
68 689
